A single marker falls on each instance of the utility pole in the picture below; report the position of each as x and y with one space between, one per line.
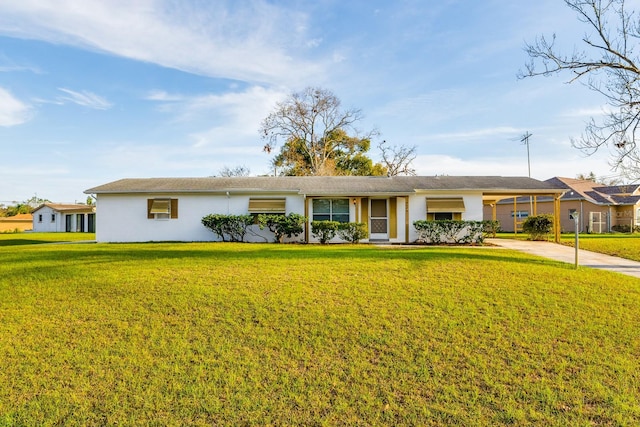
525 140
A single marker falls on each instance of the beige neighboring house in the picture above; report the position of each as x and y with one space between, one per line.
57 217
20 222
601 208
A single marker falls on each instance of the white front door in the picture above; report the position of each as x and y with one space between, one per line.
378 220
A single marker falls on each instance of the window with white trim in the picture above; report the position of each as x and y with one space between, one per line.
520 214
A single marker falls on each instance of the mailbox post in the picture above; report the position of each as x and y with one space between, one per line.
575 215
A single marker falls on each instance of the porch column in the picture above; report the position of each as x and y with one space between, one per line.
556 217
406 219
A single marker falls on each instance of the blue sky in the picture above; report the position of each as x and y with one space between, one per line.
96 90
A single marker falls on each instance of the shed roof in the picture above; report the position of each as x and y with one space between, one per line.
69 207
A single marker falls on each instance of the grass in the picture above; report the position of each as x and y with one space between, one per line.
29 238
251 334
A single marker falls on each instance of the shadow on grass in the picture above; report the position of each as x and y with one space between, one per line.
108 254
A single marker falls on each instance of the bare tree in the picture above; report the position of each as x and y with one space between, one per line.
607 64
313 133
242 170
397 159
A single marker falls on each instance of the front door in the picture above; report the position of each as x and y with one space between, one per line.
80 223
379 221
91 220
67 223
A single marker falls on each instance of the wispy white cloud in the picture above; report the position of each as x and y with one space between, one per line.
241 114
232 116
500 132
569 165
85 99
12 111
237 40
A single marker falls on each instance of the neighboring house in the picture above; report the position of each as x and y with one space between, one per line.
20 222
171 209
601 208
56 217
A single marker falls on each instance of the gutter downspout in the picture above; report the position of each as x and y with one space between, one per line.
228 203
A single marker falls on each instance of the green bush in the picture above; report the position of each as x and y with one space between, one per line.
457 232
538 226
353 232
282 225
490 228
231 227
324 230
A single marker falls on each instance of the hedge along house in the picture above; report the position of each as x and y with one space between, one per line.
58 217
601 208
171 209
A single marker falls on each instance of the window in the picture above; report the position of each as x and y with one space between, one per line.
443 216
571 212
162 208
331 210
441 209
53 217
520 214
266 206
39 217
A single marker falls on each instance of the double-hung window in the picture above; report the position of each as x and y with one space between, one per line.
331 210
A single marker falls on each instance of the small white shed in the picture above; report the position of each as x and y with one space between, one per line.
56 217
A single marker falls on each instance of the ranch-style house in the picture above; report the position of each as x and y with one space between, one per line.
171 209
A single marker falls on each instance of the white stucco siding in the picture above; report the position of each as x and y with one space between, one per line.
418 208
123 218
400 221
45 224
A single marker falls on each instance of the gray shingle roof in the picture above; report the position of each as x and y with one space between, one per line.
321 185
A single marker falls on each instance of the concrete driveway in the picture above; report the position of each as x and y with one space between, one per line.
567 254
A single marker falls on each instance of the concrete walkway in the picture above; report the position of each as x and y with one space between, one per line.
567 254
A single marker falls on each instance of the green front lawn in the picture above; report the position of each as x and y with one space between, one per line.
252 334
618 244
29 238
621 245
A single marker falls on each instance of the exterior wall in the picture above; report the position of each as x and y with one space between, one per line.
623 215
46 225
123 218
418 208
567 224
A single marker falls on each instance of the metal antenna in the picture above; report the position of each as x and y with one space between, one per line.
525 140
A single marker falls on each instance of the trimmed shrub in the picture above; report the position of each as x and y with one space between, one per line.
490 228
324 230
538 226
282 225
353 232
231 227
456 232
